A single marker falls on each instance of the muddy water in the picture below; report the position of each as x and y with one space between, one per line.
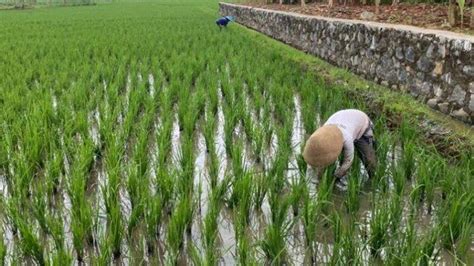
67 205
175 141
106 100
225 226
297 139
153 155
247 160
271 152
296 247
99 182
7 230
220 139
201 188
151 82
54 103
94 125
226 237
248 105
125 210
128 87
125 204
201 175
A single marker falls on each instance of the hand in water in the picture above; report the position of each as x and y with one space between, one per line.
312 175
342 183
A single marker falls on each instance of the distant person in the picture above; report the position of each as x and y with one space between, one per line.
223 21
346 130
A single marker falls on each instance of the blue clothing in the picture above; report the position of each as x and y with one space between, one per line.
222 21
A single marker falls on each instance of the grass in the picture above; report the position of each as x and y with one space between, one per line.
87 141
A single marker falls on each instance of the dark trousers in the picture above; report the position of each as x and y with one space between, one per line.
365 148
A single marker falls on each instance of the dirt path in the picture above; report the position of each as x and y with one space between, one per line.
420 15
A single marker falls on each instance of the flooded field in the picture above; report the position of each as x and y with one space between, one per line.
163 141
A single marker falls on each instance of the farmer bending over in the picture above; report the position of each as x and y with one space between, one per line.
344 130
223 21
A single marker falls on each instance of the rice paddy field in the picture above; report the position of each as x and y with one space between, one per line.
139 133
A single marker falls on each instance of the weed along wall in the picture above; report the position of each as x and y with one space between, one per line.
434 66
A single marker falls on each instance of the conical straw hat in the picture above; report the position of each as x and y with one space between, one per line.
323 146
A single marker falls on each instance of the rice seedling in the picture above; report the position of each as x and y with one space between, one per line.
427 250
244 249
229 127
186 163
213 99
352 198
115 229
429 173
39 209
379 225
163 142
104 252
396 206
309 106
53 169
404 243
456 219
310 213
138 182
242 191
399 180
178 224
3 249
408 146
273 245
62 254
297 188
258 143
166 188
242 221
238 167
137 187
345 249
280 164
260 182
153 206
81 210
325 188
210 230
30 243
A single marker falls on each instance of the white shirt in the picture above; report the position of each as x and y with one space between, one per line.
353 124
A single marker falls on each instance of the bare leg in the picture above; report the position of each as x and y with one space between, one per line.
366 151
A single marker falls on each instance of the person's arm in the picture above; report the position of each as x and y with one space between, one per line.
347 162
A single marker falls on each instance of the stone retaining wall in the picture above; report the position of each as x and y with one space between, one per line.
437 67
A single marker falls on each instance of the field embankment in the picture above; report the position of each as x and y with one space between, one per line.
433 66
